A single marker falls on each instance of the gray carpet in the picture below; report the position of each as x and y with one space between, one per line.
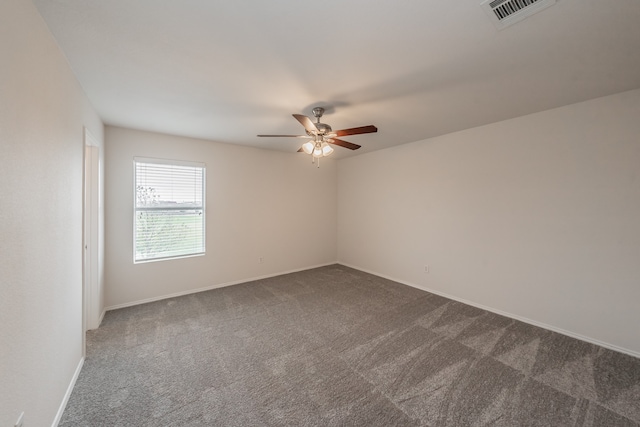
335 346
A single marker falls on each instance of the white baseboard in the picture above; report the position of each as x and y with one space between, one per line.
504 313
102 317
208 288
67 395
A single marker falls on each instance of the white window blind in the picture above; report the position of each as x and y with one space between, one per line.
169 209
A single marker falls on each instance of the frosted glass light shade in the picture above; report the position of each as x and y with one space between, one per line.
308 147
317 152
326 149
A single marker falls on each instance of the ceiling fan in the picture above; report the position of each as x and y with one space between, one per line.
322 136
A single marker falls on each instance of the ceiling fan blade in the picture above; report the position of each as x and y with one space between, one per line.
342 143
306 122
285 136
300 150
356 131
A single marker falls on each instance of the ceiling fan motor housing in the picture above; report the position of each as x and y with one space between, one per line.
323 128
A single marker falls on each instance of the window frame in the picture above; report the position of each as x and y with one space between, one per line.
136 209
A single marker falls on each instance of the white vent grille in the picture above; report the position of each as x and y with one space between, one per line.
507 12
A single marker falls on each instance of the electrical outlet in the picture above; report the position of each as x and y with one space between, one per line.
426 268
260 260
20 420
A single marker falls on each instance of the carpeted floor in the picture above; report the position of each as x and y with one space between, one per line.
335 346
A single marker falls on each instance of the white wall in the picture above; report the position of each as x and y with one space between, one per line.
537 216
42 114
260 203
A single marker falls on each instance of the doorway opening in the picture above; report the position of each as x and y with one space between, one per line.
91 292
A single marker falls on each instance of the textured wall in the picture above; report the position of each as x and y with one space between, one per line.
259 204
42 114
535 216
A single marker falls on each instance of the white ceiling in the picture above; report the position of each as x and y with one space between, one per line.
229 70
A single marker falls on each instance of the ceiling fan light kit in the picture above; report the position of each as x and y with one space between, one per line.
323 136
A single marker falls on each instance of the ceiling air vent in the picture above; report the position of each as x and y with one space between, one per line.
507 12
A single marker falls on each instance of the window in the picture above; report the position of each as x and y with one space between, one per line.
169 209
